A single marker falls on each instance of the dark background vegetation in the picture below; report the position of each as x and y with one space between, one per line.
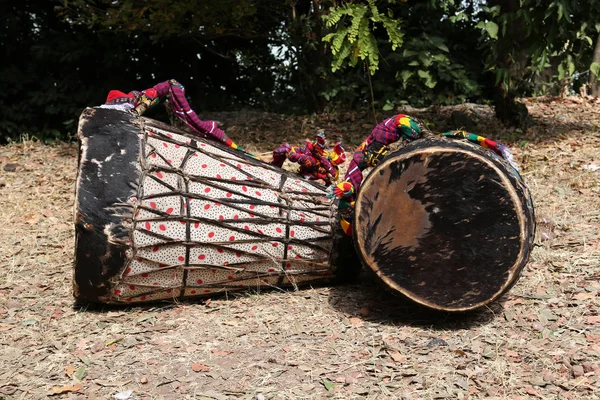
280 55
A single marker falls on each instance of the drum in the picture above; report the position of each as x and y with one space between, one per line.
445 223
163 214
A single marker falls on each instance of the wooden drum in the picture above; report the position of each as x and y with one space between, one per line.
162 214
445 223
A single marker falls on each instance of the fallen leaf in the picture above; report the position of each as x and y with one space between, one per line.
85 360
548 315
80 373
221 352
328 384
356 322
459 352
56 314
488 352
584 296
200 367
509 315
594 320
511 353
147 317
70 370
531 391
436 342
396 356
78 387
123 395
11 167
31 219
8 389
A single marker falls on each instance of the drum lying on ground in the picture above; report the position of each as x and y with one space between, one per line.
161 214
448 224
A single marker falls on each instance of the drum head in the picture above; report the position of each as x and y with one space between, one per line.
445 223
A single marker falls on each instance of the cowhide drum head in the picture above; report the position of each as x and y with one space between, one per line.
445 223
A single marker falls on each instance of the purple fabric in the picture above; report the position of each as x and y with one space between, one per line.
280 154
176 92
354 174
183 110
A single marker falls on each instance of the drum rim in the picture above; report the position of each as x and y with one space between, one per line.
460 147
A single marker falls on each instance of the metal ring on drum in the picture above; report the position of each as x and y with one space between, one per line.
446 223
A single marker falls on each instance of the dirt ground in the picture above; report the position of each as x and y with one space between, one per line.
542 340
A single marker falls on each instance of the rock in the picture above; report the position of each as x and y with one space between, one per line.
436 342
577 371
14 305
11 167
463 120
588 366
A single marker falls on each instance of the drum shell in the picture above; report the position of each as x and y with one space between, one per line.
445 223
161 214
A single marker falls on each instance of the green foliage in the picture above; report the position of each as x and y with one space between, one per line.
490 27
290 56
52 69
161 19
431 59
354 38
539 42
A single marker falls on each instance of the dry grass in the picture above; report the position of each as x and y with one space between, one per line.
540 341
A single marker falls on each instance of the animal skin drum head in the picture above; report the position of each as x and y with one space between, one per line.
447 224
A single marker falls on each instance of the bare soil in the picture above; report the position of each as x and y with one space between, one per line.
542 340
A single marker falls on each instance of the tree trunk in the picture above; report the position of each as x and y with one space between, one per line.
311 59
515 60
594 84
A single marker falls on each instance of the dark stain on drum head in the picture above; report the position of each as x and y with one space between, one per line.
107 171
443 226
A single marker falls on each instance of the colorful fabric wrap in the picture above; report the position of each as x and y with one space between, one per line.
315 162
498 148
346 226
374 148
343 190
175 93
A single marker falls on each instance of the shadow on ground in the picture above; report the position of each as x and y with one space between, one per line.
368 300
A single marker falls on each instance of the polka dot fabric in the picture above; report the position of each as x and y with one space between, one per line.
209 219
